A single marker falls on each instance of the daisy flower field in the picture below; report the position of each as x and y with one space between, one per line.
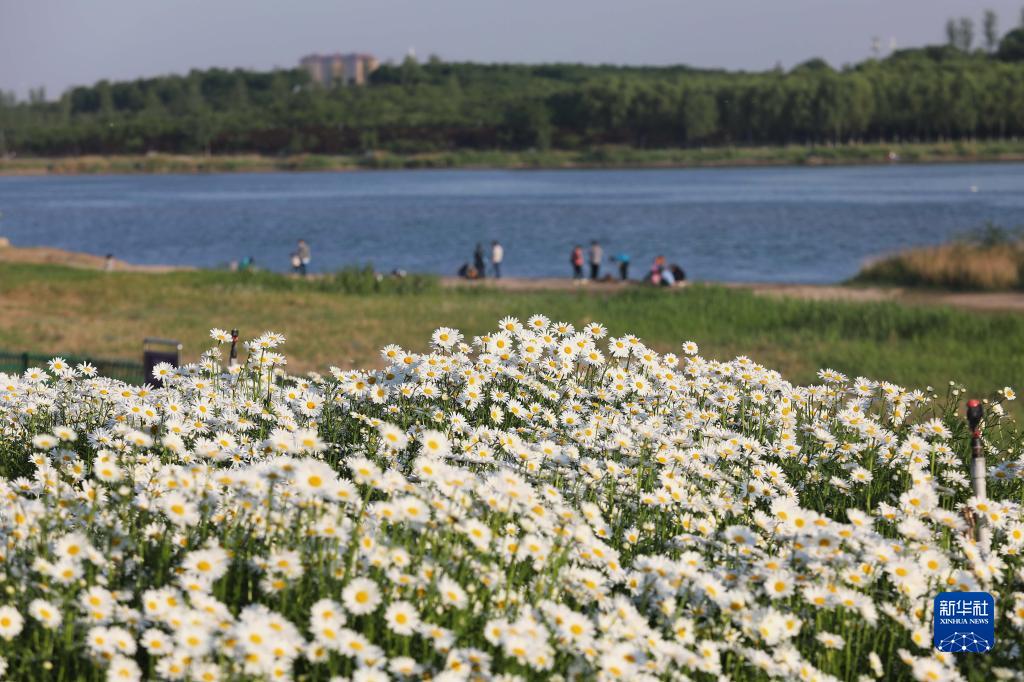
541 502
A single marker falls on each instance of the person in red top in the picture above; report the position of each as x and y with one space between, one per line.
577 262
656 268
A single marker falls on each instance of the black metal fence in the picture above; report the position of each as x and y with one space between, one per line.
125 370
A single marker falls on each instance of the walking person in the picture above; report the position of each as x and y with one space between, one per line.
576 258
497 256
479 262
303 254
596 256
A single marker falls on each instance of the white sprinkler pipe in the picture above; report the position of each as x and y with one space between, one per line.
979 473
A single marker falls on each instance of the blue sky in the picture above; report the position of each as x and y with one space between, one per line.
59 43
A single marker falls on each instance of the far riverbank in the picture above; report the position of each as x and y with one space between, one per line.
602 157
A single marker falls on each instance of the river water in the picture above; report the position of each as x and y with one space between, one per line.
807 225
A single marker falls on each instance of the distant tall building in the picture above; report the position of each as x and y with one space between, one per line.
347 69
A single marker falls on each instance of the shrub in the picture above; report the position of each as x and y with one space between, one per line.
990 258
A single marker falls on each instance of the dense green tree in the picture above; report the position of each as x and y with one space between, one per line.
652 117
990 26
952 33
1011 47
961 92
768 111
411 73
960 33
105 98
859 105
800 122
828 109
198 115
152 104
239 97
700 116
528 125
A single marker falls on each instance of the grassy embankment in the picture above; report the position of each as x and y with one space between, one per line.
344 321
990 258
602 157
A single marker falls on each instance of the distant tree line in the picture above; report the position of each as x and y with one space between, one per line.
943 92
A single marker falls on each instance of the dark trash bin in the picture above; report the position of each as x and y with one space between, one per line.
155 351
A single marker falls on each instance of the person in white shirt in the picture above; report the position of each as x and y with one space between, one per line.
301 258
596 255
497 256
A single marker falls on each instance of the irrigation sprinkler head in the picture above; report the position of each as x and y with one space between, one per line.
233 355
975 412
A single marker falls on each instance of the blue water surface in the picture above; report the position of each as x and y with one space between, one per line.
808 225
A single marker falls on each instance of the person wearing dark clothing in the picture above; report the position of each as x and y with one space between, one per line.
577 262
478 261
467 271
623 260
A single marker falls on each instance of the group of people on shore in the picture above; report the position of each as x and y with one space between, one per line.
478 268
595 257
666 274
662 273
299 260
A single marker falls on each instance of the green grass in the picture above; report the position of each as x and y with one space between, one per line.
609 156
344 322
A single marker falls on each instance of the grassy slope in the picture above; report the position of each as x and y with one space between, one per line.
54 309
594 158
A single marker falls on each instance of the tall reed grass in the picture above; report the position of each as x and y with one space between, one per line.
988 259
